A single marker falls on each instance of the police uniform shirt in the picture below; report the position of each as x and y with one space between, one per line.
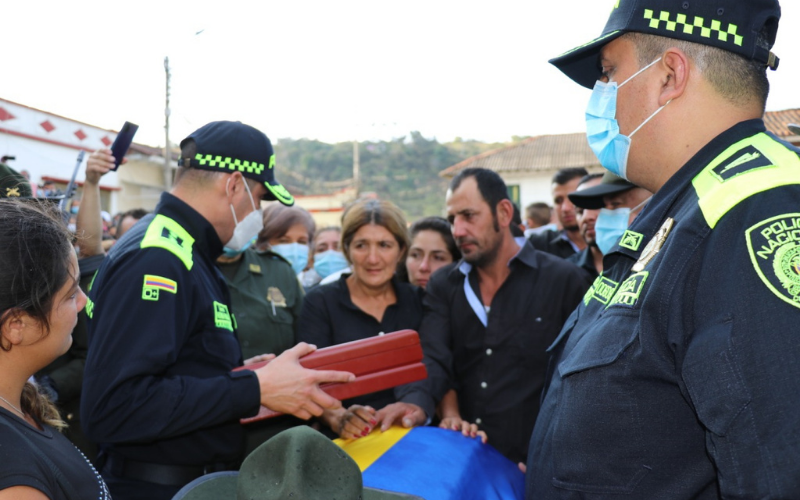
678 376
266 298
158 385
498 368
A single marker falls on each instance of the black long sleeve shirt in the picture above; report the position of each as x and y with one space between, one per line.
498 369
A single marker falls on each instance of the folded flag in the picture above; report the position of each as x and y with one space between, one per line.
435 464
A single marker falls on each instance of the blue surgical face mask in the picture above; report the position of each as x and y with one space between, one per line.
602 128
611 225
246 230
295 253
329 262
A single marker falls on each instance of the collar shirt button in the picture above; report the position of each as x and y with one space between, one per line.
484 385
489 352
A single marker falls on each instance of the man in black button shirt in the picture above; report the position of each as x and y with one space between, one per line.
568 241
489 320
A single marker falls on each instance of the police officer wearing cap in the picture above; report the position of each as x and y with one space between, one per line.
677 377
158 393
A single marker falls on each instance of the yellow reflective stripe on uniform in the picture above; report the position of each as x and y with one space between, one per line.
750 166
89 308
165 233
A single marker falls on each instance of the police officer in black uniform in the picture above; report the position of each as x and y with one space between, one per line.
678 375
158 393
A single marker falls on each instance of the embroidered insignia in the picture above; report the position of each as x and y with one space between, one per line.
654 245
774 246
747 159
12 192
631 240
154 284
629 292
222 318
604 289
255 269
275 296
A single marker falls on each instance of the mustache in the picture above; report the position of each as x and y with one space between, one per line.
463 240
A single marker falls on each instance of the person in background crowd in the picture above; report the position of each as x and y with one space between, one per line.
590 259
678 377
606 205
432 247
39 302
328 257
34 187
568 241
288 231
159 394
489 319
127 220
537 218
367 302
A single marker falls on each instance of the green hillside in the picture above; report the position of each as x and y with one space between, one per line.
404 170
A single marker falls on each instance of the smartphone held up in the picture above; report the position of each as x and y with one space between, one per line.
123 142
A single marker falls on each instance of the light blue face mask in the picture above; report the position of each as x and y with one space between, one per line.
611 225
329 262
602 128
295 253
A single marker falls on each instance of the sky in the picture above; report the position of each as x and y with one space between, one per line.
332 71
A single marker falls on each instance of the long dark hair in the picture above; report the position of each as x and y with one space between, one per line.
35 252
433 223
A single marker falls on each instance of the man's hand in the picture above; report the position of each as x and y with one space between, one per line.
99 163
287 387
467 429
407 414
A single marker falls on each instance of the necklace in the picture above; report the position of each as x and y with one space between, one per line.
12 406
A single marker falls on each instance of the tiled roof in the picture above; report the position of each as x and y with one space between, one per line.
544 153
777 121
548 153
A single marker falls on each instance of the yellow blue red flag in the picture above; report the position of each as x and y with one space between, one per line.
435 464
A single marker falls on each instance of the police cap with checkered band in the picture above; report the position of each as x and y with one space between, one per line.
744 27
233 146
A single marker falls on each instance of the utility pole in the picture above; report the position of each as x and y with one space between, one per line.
167 153
356 169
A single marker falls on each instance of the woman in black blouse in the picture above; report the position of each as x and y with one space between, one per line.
368 302
39 303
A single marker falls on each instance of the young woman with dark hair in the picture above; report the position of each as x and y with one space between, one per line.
39 302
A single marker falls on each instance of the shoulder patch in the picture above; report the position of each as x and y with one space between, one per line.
750 166
165 233
154 284
774 246
222 318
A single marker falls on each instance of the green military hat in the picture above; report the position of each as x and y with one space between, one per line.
13 184
299 463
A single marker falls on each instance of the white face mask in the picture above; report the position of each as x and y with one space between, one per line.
246 231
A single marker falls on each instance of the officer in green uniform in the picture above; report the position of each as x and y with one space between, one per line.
266 298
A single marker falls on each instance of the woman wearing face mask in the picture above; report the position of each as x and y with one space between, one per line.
328 258
432 247
266 299
39 302
369 301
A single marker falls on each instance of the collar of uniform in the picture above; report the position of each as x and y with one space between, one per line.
206 238
655 212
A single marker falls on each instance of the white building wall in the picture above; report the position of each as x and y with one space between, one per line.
533 186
